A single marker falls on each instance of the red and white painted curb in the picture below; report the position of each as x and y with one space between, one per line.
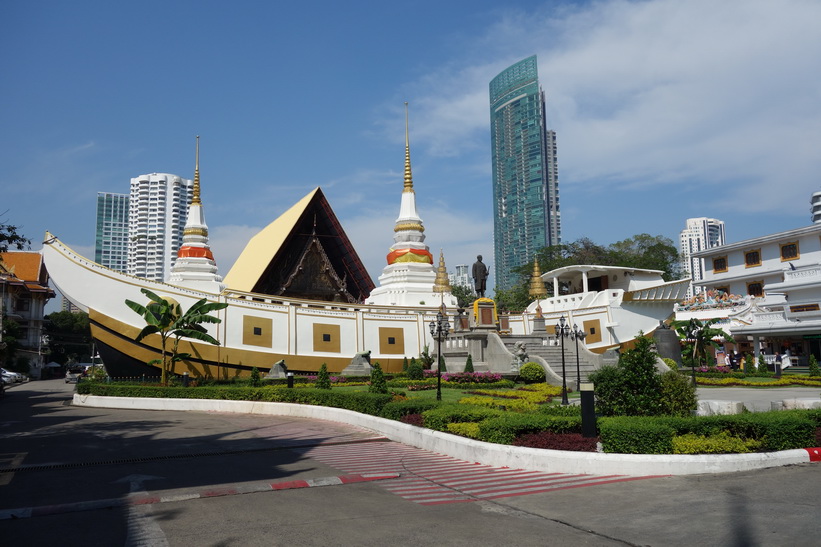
146 499
496 455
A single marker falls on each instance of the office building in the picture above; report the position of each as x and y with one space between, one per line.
111 246
525 173
158 210
700 234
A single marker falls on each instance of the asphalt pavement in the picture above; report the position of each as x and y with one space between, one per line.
150 464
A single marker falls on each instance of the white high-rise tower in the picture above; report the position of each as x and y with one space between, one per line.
158 210
700 234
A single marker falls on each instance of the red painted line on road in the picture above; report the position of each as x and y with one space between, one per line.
815 454
289 485
218 492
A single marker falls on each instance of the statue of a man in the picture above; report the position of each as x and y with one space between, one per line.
479 276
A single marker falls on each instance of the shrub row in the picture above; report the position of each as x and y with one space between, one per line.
366 403
404 382
654 435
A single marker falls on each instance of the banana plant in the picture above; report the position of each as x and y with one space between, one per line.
164 316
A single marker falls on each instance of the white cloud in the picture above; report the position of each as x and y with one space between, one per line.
723 97
227 243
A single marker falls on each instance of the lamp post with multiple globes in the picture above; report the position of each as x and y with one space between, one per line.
562 331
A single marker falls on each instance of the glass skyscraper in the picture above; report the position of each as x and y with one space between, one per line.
525 174
111 245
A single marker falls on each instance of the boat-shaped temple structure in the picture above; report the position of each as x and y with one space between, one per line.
299 293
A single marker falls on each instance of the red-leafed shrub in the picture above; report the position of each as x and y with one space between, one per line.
557 441
412 419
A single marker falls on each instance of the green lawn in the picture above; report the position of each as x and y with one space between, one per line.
449 395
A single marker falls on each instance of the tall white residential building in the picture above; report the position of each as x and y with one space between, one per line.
111 243
700 234
460 277
815 201
158 210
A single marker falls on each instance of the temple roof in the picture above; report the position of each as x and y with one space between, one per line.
25 268
277 253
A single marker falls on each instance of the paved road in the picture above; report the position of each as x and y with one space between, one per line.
220 479
756 398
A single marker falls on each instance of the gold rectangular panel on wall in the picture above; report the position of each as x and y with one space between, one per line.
391 341
593 330
257 331
326 338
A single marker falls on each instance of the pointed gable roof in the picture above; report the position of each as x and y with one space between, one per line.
25 268
271 258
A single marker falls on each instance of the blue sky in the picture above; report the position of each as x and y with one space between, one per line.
664 110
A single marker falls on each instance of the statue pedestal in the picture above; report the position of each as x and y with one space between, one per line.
538 325
484 315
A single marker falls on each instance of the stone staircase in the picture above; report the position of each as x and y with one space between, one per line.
552 355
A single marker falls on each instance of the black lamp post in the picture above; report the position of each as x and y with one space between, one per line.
578 334
562 331
439 329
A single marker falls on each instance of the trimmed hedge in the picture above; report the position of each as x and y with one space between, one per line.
504 429
782 430
397 409
366 403
438 418
636 435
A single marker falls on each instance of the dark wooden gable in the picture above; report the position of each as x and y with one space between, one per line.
317 261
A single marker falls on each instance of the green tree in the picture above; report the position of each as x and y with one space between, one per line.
464 295
9 237
640 251
69 336
749 365
11 342
813 368
426 358
762 364
256 381
632 387
323 379
699 336
405 364
378 383
164 316
469 363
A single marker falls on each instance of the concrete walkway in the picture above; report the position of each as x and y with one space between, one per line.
757 399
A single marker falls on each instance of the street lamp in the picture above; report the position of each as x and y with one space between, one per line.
439 330
578 334
562 331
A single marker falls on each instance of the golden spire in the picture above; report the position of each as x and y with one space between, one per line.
442 284
196 198
537 289
408 176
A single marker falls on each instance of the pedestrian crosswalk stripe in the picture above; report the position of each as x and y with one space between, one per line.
428 478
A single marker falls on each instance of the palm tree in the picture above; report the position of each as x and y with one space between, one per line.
701 335
164 316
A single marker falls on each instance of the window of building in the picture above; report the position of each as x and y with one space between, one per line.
756 288
752 258
720 264
789 251
725 290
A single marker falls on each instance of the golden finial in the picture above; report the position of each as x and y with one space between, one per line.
537 289
408 176
442 284
196 199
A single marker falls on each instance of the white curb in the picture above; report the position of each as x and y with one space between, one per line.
535 459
